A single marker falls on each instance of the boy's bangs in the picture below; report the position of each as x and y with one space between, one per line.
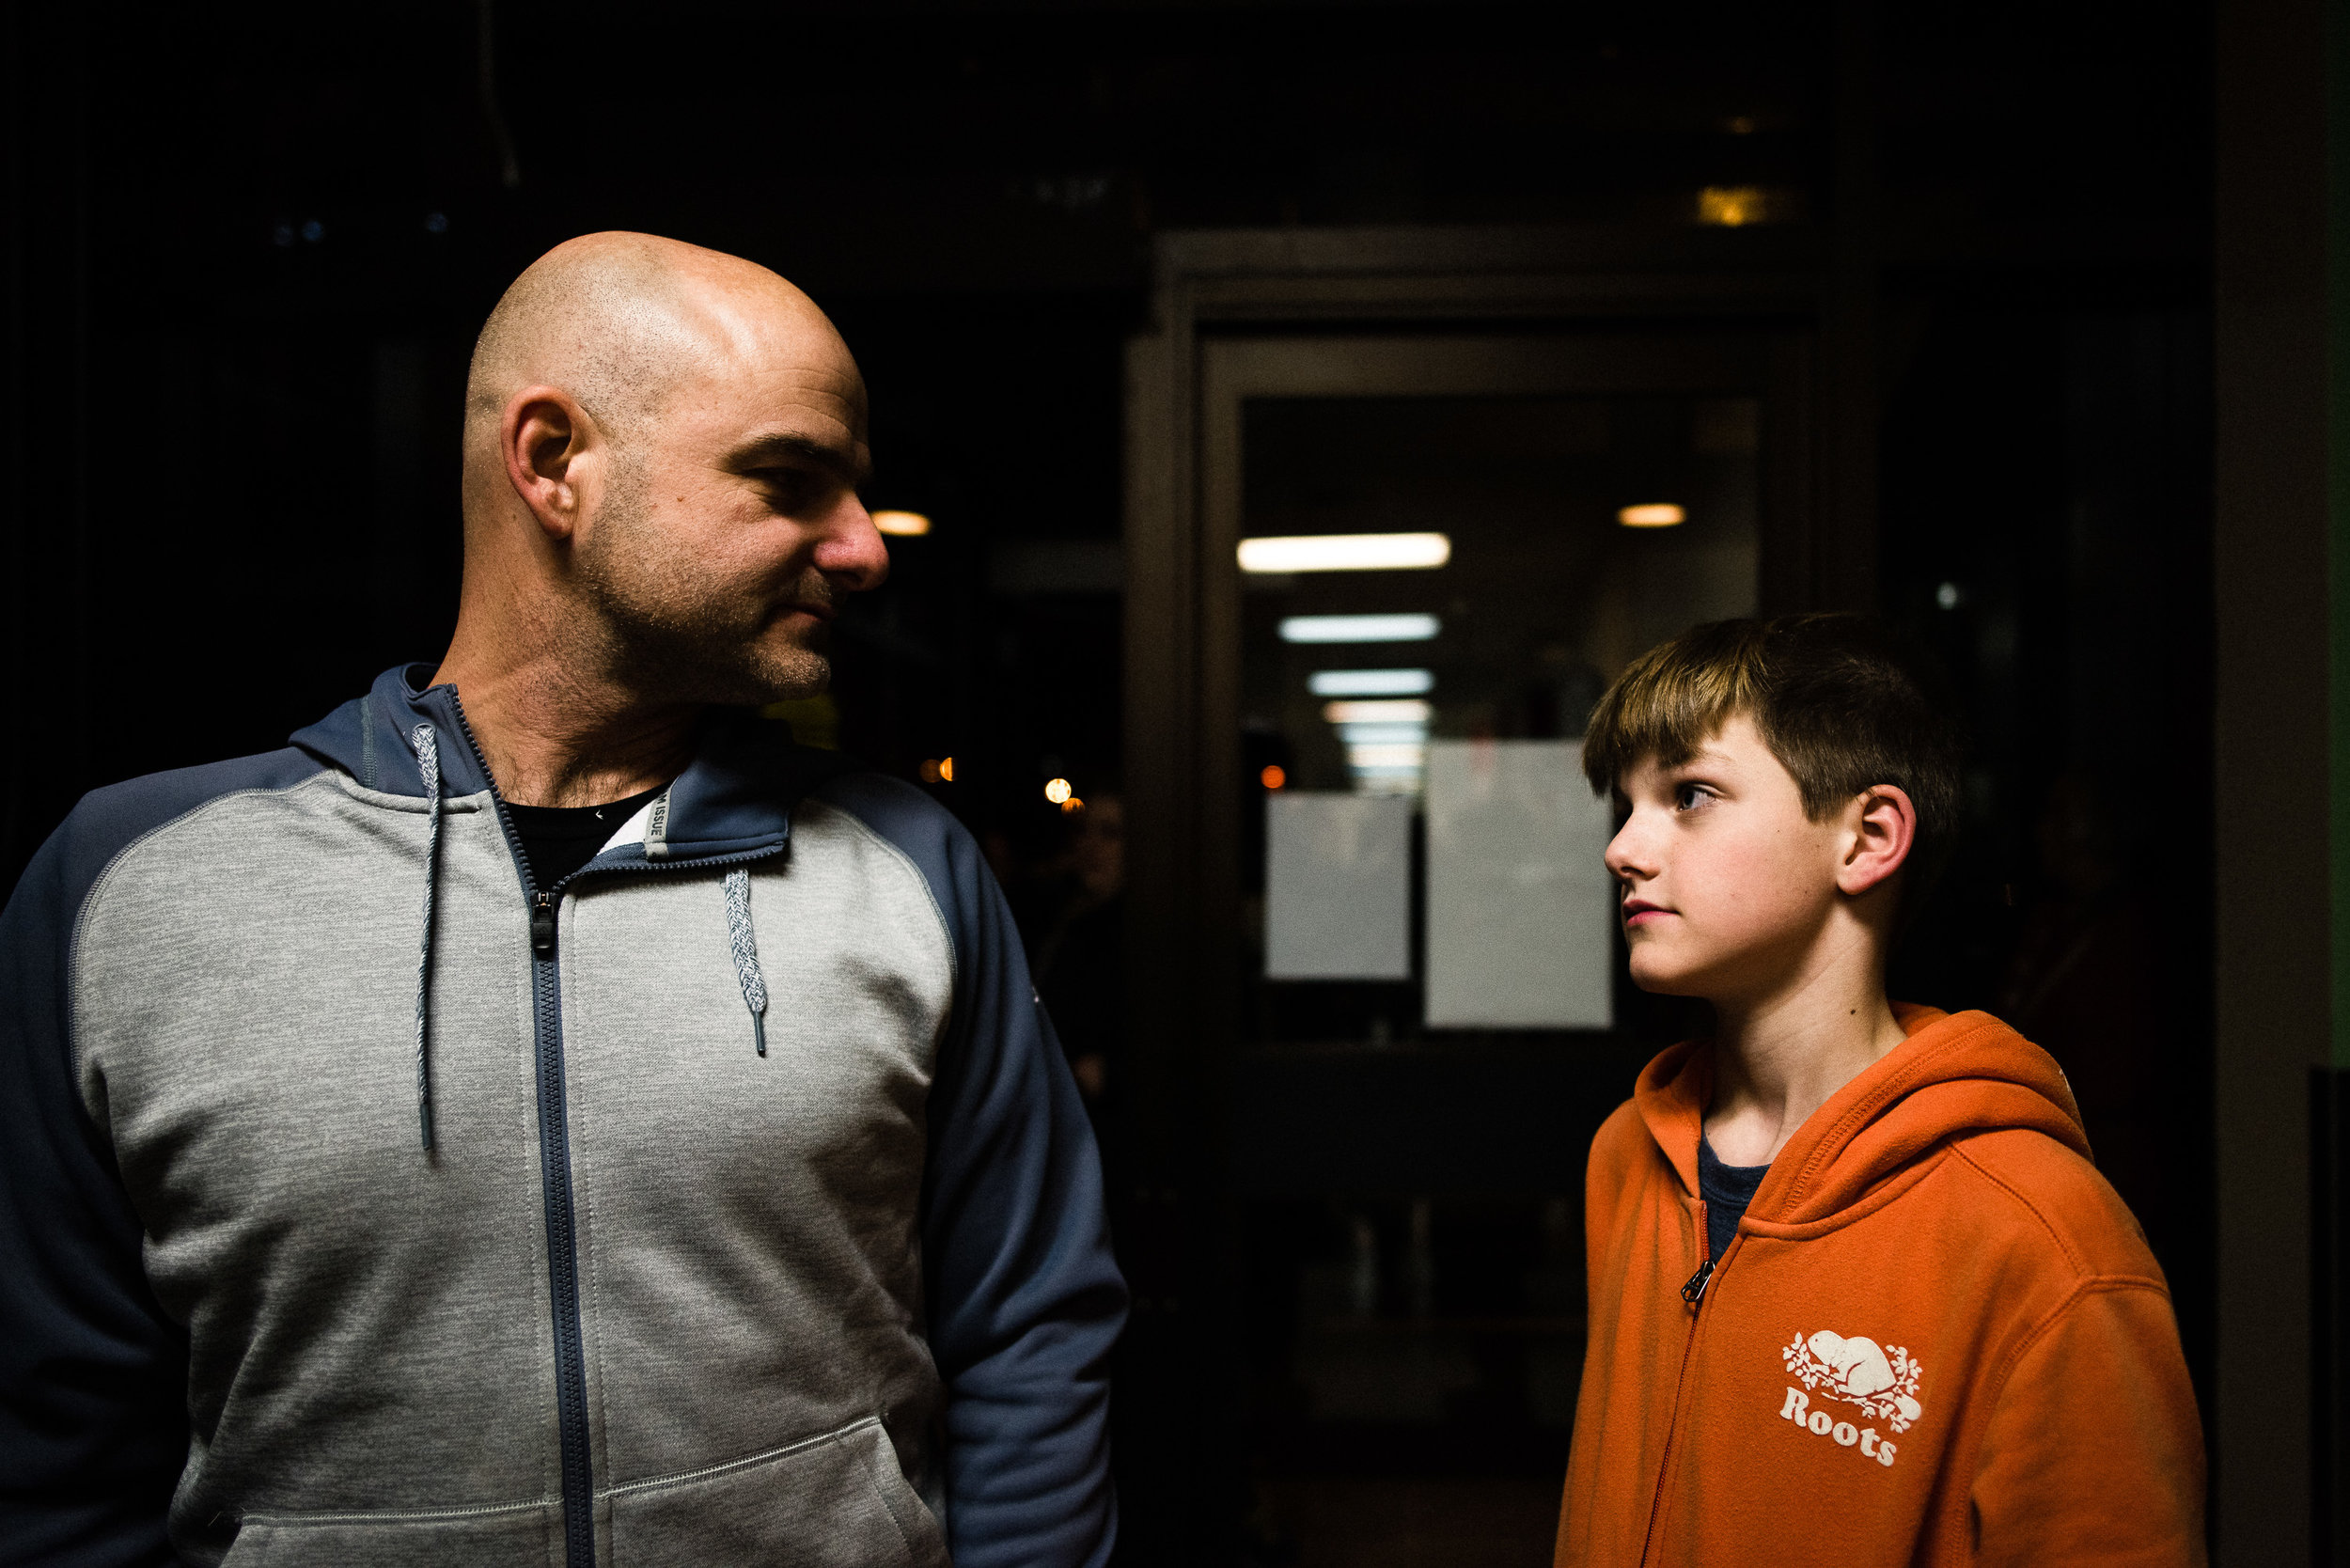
1672 699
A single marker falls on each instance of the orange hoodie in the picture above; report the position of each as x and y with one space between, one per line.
1938 1336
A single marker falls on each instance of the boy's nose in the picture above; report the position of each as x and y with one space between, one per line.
1626 859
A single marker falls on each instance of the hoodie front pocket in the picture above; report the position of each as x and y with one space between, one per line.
522 1533
835 1501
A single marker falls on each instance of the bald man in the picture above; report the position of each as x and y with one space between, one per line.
543 1115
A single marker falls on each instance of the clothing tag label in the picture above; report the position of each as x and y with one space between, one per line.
657 827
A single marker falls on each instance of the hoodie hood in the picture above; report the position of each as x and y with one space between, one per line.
1955 1074
734 799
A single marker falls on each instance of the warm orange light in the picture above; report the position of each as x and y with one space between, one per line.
905 524
946 769
1058 790
1272 778
1655 514
1071 804
1734 206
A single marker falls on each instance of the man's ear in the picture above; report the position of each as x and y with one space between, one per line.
552 450
1883 825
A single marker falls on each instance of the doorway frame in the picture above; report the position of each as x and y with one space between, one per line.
1226 305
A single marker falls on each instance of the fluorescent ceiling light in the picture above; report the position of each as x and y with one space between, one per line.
906 525
1345 553
1370 683
1361 757
1655 514
1378 713
1358 628
1377 734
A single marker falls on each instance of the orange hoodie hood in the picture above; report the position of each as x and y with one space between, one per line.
1936 1337
1951 1076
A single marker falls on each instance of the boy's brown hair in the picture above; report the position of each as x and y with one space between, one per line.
1840 704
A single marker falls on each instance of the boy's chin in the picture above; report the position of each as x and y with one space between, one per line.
1667 987
1666 979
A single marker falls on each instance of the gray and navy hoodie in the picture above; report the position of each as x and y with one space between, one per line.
366 1205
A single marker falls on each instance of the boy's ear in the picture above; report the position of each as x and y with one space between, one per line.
1884 825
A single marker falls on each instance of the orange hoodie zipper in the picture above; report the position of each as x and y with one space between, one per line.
1694 1294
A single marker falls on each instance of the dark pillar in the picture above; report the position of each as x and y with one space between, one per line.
1846 572
2270 741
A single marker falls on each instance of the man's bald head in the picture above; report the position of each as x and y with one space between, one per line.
621 322
663 446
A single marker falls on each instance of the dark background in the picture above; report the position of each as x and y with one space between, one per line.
247 253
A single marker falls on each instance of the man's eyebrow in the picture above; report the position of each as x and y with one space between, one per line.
765 450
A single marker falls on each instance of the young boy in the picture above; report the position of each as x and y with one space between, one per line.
1857 1294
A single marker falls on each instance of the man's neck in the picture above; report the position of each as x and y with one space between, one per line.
554 737
1781 1056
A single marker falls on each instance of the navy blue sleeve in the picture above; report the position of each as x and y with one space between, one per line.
93 1375
1025 1298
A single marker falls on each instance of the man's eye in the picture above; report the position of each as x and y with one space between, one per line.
789 489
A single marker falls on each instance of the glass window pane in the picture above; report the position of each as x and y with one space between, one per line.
1432 571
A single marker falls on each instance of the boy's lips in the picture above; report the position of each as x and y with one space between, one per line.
1641 912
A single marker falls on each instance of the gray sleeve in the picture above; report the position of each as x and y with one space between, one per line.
1025 1299
93 1375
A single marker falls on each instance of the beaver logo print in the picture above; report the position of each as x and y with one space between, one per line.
1882 1380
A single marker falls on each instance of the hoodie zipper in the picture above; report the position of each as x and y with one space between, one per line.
555 1146
1694 1294
555 1173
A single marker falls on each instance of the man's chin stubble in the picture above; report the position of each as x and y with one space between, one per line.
807 674
789 668
722 672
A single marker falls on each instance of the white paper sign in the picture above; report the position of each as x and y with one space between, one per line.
1521 910
1337 885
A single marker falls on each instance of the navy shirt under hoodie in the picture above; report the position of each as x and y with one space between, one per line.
362 1200
1727 1190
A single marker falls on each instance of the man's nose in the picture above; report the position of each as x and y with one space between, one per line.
852 553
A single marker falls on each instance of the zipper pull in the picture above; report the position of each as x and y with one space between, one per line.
543 927
1694 1290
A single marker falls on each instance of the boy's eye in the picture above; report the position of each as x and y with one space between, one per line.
1688 795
